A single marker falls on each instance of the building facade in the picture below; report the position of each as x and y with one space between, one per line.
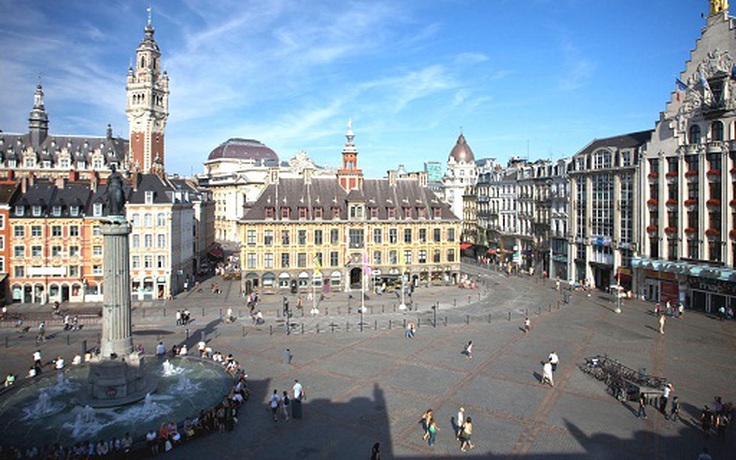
347 232
688 180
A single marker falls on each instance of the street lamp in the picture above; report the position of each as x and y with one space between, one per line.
618 291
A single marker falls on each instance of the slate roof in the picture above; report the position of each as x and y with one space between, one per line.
7 191
245 149
624 141
161 188
80 148
326 193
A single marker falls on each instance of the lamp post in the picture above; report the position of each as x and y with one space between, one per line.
618 291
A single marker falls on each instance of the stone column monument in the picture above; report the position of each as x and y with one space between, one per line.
117 375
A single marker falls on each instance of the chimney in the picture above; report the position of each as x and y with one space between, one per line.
308 173
391 177
11 173
93 182
31 179
60 182
73 176
24 184
136 179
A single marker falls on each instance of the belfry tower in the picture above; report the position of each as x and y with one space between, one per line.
147 105
349 176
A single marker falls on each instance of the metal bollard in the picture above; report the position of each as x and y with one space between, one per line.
383 309
317 328
270 329
187 331
375 325
302 328
243 331
203 313
540 311
220 313
347 326
332 325
489 318
164 313
389 325
454 302
509 316
327 312
467 319
144 312
67 339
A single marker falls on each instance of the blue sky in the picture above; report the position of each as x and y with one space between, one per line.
539 77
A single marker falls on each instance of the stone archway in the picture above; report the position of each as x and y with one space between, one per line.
356 277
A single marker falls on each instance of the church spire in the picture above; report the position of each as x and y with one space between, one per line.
349 176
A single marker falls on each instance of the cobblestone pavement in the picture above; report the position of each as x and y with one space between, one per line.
372 386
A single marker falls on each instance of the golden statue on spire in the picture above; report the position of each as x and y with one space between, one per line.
716 6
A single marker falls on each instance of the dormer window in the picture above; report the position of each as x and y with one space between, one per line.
56 211
335 213
81 165
36 210
46 164
149 197
317 213
391 213
11 163
437 213
302 213
97 209
64 163
29 162
74 211
269 212
407 213
356 211
97 163
20 210
374 213
422 213
285 213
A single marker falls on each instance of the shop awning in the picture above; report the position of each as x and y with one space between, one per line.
491 251
465 245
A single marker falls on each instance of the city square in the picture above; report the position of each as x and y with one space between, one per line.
372 386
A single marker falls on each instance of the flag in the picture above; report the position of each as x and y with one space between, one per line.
680 88
704 82
366 266
317 265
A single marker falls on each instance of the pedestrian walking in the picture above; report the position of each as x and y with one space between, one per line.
37 358
296 401
285 405
410 330
680 310
675 409
459 422
425 419
465 433
706 420
554 360
178 317
432 429
286 356
376 451
547 374
721 424
274 403
527 325
666 390
661 323
41 337
468 350
642 405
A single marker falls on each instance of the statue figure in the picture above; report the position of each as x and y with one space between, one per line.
114 194
716 6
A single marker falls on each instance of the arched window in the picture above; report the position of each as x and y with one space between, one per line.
695 134
716 131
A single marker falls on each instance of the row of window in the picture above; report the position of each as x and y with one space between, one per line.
355 236
57 231
354 212
137 262
391 257
19 251
73 271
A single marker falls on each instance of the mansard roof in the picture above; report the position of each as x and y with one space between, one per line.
326 193
79 148
623 141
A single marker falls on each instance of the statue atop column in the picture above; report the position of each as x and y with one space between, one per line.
115 195
716 6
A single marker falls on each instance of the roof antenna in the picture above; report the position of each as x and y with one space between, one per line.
148 10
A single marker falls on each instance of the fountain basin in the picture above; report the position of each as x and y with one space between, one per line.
52 408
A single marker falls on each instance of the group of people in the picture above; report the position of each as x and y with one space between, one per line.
281 405
59 363
462 426
719 418
183 317
115 448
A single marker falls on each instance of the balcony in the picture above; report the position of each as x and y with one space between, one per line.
714 175
691 175
653 177
671 177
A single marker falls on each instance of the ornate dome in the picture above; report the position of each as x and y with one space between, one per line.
461 152
244 149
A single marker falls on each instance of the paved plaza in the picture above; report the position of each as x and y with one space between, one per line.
373 385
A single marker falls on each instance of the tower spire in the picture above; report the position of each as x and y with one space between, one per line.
148 10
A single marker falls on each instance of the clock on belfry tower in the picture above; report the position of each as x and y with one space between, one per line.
147 105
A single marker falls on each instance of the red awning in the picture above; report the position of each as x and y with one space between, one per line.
492 251
465 245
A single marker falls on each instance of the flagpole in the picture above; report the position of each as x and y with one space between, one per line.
401 265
